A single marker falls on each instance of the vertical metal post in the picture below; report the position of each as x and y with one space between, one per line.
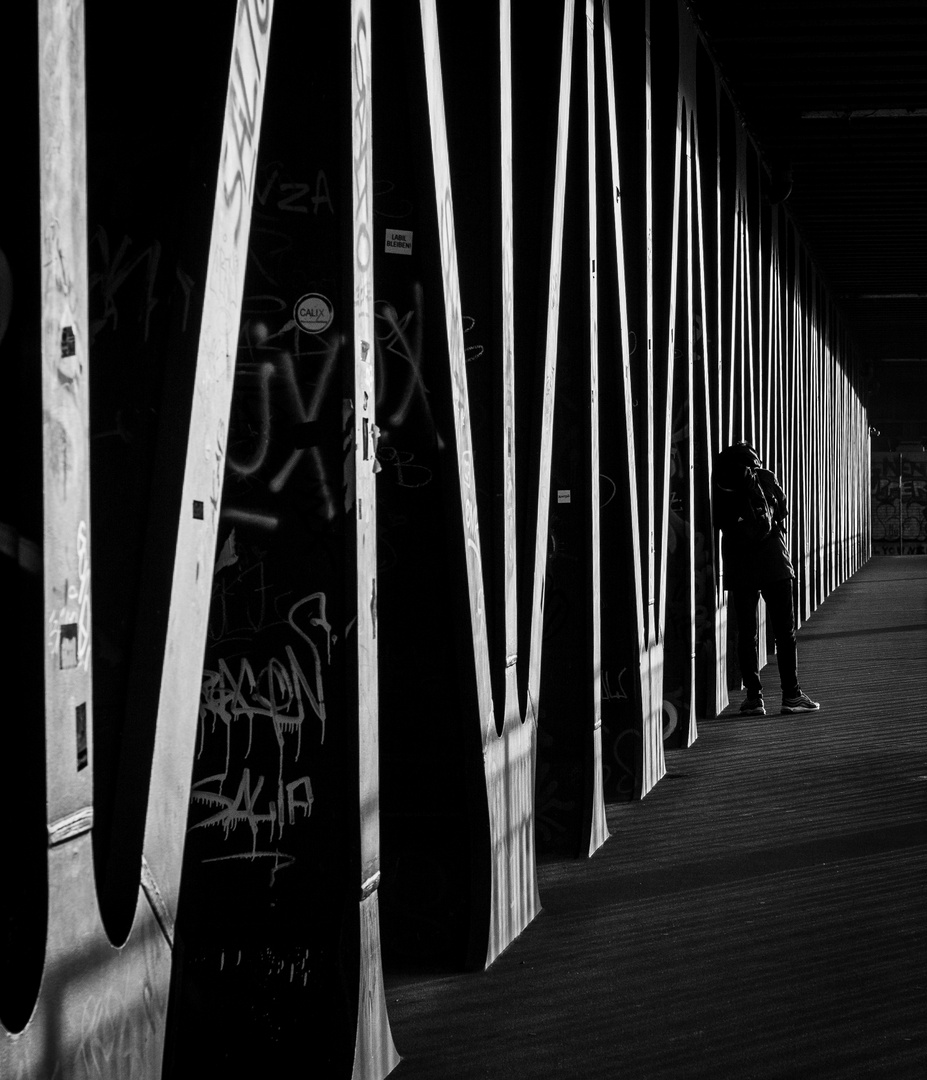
374 1053
550 368
66 420
654 764
507 757
595 829
191 588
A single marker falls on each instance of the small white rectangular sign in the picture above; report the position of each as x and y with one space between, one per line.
398 242
563 496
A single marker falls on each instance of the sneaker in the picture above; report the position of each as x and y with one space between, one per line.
800 703
753 706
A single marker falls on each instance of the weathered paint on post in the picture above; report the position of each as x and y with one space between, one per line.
94 1001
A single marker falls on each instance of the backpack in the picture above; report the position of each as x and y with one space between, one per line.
758 516
754 503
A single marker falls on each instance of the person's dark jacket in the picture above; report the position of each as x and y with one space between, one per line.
750 510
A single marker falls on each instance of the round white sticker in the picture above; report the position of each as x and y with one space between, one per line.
313 313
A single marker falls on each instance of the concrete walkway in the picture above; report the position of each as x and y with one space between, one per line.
761 914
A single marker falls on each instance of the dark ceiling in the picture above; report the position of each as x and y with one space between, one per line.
834 94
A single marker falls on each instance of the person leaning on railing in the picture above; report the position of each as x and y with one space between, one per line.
750 510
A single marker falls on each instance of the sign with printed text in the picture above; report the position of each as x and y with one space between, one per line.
398 242
313 313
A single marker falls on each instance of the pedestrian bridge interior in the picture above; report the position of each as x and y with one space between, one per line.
375 699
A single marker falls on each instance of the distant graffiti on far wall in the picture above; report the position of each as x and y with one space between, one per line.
899 499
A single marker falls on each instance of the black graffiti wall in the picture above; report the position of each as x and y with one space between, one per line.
429 754
899 501
265 918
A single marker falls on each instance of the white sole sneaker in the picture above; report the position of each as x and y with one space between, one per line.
802 704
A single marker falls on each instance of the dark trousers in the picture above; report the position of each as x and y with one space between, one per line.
781 615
